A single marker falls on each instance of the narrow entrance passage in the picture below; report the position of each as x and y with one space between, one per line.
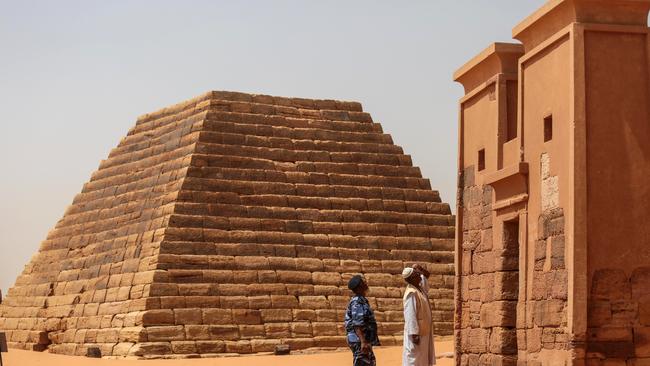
509 288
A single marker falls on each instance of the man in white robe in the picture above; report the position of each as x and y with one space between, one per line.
418 329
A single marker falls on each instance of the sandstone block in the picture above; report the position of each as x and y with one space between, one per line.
284 301
260 302
276 315
108 335
165 333
324 328
506 285
197 332
642 342
326 278
294 277
640 281
122 349
610 284
301 329
216 316
223 332
534 340
264 345
157 317
621 350
277 330
252 331
610 334
210 346
187 316
499 314
644 310
326 315
150 348
550 313
233 302
476 340
299 343
246 316
313 302
503 341
183 347
241 347
329 341
304 315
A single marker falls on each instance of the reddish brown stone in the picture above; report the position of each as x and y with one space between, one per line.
236 216
610 284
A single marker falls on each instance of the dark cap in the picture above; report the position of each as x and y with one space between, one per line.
354 282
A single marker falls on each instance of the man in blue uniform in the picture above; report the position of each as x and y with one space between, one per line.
360 324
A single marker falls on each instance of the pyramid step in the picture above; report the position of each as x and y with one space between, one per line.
318 203
263 103
289 128
157 135
315 168
303 177
273 245
142 130
285 116
258 123
328 276
288 143
92 220
281 217
166 159
436 238
364 169
310 190
188 106
286 217
136 183
259 263
286 155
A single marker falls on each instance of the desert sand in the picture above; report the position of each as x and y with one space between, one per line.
386 356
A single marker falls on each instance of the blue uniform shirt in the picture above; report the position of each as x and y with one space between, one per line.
359 314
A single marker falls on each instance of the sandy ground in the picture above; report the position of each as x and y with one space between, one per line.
386 356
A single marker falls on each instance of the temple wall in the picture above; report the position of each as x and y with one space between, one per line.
545 78
618 131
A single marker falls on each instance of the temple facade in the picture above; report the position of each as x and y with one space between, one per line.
553 246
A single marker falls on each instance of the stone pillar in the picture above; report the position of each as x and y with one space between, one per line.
486 296
586 66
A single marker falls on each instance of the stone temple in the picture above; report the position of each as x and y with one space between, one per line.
553 241
230 223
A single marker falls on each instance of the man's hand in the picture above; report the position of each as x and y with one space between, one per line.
366 347
415 339
421 270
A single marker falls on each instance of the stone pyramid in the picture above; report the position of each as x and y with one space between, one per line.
230 223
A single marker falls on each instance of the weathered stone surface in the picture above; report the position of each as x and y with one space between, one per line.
498 314
166 333
150 348
550 313
610 284
232 222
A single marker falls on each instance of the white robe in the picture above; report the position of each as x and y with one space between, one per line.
422 354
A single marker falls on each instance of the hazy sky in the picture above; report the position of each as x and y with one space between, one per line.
74 75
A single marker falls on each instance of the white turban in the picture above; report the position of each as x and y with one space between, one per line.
407 272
